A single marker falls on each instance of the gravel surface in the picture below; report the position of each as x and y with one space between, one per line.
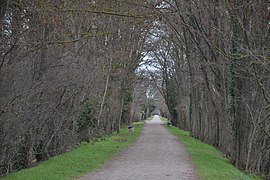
156 155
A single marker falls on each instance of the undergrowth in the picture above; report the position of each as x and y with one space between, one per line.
86 158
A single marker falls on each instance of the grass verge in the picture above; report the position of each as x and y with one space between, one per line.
86 158
208 163
164 120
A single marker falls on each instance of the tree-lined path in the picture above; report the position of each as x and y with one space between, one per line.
155 155
73 71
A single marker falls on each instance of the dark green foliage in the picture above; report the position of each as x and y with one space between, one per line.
172 93
128 97
126 108
87 119
172 97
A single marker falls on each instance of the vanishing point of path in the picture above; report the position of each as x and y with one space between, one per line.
156 155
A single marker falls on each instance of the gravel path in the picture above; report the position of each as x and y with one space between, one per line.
156 155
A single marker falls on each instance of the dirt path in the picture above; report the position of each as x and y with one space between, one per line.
156 155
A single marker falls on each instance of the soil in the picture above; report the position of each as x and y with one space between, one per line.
155 155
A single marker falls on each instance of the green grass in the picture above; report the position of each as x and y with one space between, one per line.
86 158
163 119
208 163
